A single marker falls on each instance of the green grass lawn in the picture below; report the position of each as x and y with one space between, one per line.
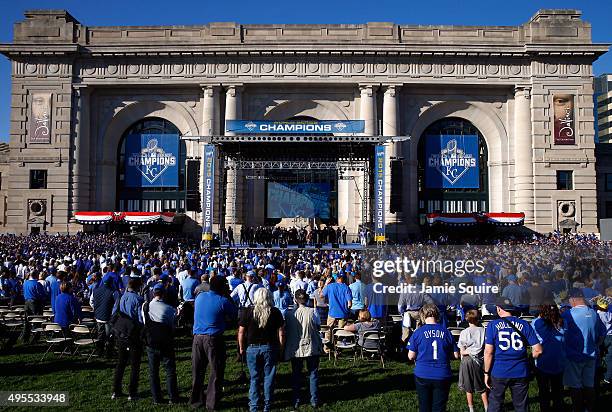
363 386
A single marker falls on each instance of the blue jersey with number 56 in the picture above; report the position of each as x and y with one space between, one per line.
510 353
434 346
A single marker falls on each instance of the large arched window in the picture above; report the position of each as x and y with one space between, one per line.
150 199
453 200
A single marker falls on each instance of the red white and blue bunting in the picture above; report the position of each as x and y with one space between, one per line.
472 219
132 218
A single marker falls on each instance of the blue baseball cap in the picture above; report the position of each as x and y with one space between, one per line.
575 293
158 287
504 303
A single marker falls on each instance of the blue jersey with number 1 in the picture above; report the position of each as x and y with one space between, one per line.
510 353
434 346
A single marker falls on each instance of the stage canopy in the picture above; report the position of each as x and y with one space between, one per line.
132 218
472 219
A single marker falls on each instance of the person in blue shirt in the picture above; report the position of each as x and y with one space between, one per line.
432 346
235 280
376 303
188 286
34 295
550 364
505 361
282 298
188 293
211 310
358 290
340 299
515 293
584 333
53 288
67 307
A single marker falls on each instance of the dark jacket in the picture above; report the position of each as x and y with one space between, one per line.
104 298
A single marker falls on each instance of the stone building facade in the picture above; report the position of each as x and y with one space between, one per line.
96 82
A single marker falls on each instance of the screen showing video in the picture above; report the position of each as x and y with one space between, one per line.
307 200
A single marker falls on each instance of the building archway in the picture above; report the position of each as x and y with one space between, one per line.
494 132
107 146
452 200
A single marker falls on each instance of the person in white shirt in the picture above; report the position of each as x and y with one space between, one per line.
471 373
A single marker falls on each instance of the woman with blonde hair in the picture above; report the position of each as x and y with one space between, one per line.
261 336
432 346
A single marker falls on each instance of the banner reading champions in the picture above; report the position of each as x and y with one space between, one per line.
151 160
294 126
451 161
208 204
379 193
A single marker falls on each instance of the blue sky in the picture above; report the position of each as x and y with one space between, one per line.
154 12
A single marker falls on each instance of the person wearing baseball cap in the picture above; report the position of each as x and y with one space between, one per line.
303 345
282 297
244 294
584 333
506 363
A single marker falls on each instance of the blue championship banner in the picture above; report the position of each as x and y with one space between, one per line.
151 160
451 162
379 194
294 126
208 192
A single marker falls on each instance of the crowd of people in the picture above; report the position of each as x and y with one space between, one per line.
555 294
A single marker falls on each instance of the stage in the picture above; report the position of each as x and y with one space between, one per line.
327 246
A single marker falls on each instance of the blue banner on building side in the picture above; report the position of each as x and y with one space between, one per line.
151 160
208 192
451 161
379 193
294 126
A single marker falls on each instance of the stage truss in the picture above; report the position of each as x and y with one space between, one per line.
343 166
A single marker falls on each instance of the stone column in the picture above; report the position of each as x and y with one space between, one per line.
210 127
367 109
80 170
523 154
393 151
234 189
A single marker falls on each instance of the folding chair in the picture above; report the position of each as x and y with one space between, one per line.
87 309
14 322
343 340
48 314
55 336
374 343
36 325
83 337
323 330
455 331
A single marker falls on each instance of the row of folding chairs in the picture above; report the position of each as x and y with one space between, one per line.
78 337
344 341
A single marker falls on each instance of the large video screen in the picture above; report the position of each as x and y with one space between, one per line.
307 200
